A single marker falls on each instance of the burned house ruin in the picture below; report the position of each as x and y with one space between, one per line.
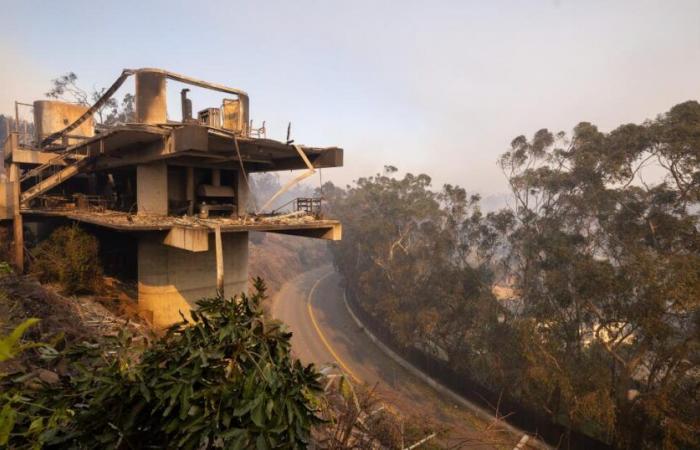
179 189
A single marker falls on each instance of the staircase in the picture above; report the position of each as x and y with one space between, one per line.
70 161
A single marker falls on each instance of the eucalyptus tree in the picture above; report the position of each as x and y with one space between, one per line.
606 253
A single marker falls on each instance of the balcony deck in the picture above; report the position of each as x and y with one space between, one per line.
307 226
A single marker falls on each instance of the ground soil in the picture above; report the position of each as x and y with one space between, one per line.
64 320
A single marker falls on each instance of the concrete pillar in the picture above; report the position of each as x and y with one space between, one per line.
152 189
171 280
18 228
151 104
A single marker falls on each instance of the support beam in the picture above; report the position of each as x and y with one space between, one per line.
219 262
24 156
18 235
190 239
331 233
51 182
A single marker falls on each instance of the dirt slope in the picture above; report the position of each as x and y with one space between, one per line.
278 258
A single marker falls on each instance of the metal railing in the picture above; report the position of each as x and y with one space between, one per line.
309 205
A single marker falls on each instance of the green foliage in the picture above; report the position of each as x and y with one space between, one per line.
225 380
404 247
10 345
70 257
606 252
600 254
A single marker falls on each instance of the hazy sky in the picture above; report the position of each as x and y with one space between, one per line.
439 87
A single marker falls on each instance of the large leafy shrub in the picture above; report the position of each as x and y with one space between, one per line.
226 380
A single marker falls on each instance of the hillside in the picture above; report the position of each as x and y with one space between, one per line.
278 258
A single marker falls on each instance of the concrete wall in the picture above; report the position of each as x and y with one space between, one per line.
152 189
172 280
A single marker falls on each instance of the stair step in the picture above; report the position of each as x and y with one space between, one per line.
51 163
51 181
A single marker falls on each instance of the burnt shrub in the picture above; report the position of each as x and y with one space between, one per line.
5 243
69 257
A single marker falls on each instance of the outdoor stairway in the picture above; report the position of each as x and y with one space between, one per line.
73 163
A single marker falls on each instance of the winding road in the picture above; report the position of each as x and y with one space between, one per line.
324 333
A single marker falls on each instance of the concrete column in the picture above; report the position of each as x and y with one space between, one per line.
171 280
18 229
152 189
151 103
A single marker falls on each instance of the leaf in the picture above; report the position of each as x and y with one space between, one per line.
7 422
258 415
241 441
194 411
238 412
9 345
269 407
37 425
261 442
345 389
144 391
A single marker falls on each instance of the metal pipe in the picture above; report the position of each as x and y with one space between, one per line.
126 73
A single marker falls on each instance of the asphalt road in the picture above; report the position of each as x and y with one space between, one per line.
324 333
